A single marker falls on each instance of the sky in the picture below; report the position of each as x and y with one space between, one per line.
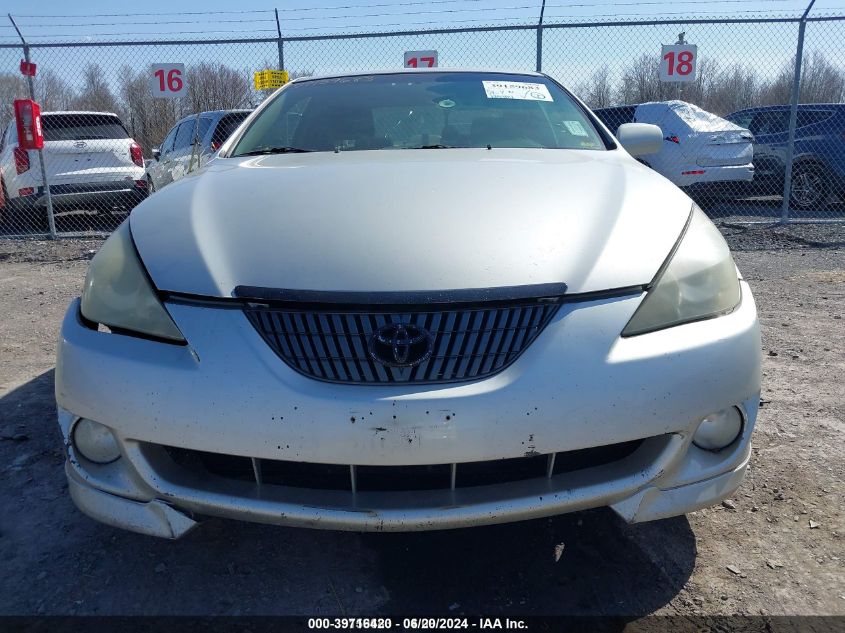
57 19
569 54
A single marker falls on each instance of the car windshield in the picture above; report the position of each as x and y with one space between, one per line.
226 126
82 127
420 110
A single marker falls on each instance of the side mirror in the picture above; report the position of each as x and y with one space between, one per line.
639 139
156 152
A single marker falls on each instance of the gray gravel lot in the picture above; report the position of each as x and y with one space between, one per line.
782 535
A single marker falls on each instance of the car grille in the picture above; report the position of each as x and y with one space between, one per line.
467 343
354 478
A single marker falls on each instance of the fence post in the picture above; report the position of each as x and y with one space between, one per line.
51 220
540 38
281 42
793 116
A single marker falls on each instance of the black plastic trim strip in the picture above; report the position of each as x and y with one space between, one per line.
401 298
357 301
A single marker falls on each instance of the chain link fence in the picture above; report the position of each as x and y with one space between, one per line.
754 138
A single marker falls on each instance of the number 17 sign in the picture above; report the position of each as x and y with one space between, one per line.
168 80
420 59
678 62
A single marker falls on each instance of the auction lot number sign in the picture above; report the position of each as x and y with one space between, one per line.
420 59
168 81
678 62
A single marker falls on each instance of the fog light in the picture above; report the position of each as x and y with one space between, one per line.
718 429
95 442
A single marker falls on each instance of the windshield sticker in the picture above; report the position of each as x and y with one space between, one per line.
516 90
575 128
446 103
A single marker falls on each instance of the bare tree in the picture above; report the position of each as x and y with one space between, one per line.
719 90
52 92
95 93
147 118
779 89
734 88
598 90
12 86
217 87
641 82
821 81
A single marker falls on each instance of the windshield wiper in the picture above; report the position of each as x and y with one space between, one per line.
432 147
275 150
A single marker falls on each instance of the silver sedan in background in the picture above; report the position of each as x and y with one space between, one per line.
407 301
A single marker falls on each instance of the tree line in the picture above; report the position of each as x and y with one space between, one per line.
718 88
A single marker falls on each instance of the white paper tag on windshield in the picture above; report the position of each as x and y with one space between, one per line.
516 90
575 128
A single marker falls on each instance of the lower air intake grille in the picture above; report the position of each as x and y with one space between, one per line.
268 472
338 346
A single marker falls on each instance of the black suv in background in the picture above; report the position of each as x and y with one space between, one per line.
818 170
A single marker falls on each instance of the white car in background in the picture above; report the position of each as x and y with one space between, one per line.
92 164
699 148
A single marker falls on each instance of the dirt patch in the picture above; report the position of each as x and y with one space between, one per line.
776 548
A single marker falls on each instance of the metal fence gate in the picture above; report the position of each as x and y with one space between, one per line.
780 80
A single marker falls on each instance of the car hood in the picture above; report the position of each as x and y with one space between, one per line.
411 220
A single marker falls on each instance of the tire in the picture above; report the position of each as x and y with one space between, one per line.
23 217
810 187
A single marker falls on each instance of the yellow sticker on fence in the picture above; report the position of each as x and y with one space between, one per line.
269 79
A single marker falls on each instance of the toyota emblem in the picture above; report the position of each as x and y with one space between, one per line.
400 345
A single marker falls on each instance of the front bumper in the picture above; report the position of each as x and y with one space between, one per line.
578 386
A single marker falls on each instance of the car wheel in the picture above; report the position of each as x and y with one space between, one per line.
18 216
810 187
23 217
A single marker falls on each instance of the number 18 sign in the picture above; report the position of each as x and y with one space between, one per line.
168 80
678 62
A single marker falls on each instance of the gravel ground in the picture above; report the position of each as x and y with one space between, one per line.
776 548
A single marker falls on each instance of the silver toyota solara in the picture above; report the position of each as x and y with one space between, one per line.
411 300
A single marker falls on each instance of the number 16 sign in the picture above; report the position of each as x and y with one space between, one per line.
168 80
678 62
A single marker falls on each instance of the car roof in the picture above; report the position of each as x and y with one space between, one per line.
412 71
212 112
79 112
801 106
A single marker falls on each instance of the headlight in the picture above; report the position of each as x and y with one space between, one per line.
698 280
119 294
